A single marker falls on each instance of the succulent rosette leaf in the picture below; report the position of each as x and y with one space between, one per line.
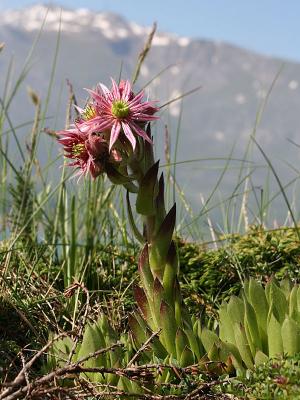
261 323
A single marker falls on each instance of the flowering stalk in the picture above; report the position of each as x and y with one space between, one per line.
113 136
159 299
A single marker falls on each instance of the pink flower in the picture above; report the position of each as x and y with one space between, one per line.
89 151
119 111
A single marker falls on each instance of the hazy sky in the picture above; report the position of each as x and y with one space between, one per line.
268 26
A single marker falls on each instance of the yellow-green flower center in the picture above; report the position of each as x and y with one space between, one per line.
77 149
120 109
89 112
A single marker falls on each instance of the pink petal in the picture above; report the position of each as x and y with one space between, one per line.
94 94
126 90
140 132
105 90
115 90
136 99
143 117
128 133
79 109
146 105
115 130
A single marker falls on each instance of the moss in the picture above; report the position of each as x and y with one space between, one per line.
210 276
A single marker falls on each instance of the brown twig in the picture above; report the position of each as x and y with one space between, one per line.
143 347
22 374
45 385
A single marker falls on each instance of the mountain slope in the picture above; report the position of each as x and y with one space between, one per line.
95 46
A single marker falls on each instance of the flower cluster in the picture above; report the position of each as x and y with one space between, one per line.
109 120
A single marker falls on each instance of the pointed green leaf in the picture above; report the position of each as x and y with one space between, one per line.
293 308
169 328
274 337
225 325
161 243
229 349
290 332
286 286
208 339
214 353
277 301
251 326
243 345
170 273
59 352
145 272
260 358
193 343
259 302
138 329
142 302
92 341
181 341
145 201
105 327
235 309
298 299
246 289
115 176
187 358
239 367
157 296
160 203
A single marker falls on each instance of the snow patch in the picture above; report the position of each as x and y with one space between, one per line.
122 33
293 85
108 33
100 22
83 11
161 40
138 29
184 41
175 70
240 98
219 136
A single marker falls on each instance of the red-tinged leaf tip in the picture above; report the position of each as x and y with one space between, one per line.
157 287
148 131
172 253
144 257
141 299
161 184
168 223
164 308
136 330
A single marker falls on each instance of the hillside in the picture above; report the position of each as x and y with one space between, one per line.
234 82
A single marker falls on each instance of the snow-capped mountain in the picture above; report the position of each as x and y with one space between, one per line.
95 46
110 25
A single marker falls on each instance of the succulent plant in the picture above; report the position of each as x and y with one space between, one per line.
127 157
261 323
160 305
97 335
